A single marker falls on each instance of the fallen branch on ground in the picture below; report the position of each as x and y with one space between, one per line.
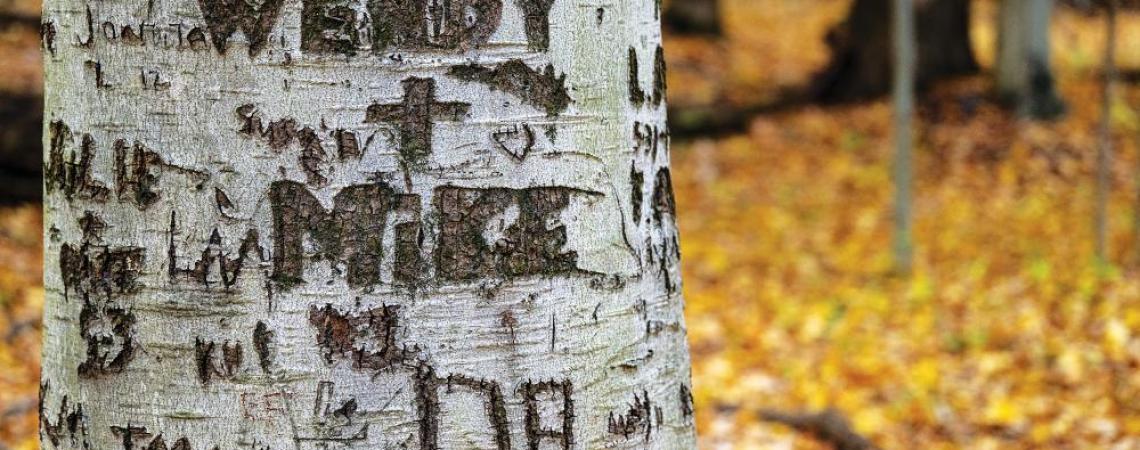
828 426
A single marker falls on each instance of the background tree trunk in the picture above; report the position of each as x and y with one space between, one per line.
1024 76
20 108
861 46
903 96
19 147
694 17
328 224
1104 137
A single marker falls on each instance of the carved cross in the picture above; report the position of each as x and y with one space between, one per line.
415 117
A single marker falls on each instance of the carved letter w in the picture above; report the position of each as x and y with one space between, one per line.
224 17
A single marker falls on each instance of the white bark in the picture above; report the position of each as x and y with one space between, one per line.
500 273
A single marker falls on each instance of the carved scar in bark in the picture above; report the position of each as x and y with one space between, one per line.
367 338
352 232
370 339
561 434
637 95
331 27
225 360
642 417
70 422
540 89
335 418
224 17
136 170
214 266
130 435
650 139
664 213
208 363
71 175
428 386
537 15
516 141
526 247
415 118
281 133
483 232
100 274
94 269
263 344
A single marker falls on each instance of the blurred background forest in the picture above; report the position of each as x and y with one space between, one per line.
996 305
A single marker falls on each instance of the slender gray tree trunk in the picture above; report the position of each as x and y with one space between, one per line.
1023 72
904 45
1104 135
341 224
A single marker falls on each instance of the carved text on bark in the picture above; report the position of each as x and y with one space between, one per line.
353 232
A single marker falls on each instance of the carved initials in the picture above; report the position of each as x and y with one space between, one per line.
332 26
224 17
214 266
528 246
208 364
352 232
428 388
536 432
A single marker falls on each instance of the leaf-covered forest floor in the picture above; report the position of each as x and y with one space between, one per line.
21 303
1009 335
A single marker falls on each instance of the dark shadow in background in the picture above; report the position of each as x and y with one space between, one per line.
21 158
21 127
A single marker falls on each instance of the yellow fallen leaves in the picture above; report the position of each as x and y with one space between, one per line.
21 300
1116 337
1008 335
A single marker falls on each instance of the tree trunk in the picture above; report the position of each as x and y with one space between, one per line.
861 56
359 225
1104 136
1023 72
903 96
699 17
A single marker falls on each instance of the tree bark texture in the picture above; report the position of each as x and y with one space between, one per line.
346 224
861 48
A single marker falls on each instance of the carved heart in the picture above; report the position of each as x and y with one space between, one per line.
515 140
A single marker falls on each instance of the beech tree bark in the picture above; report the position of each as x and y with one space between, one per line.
332 224
1024 74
